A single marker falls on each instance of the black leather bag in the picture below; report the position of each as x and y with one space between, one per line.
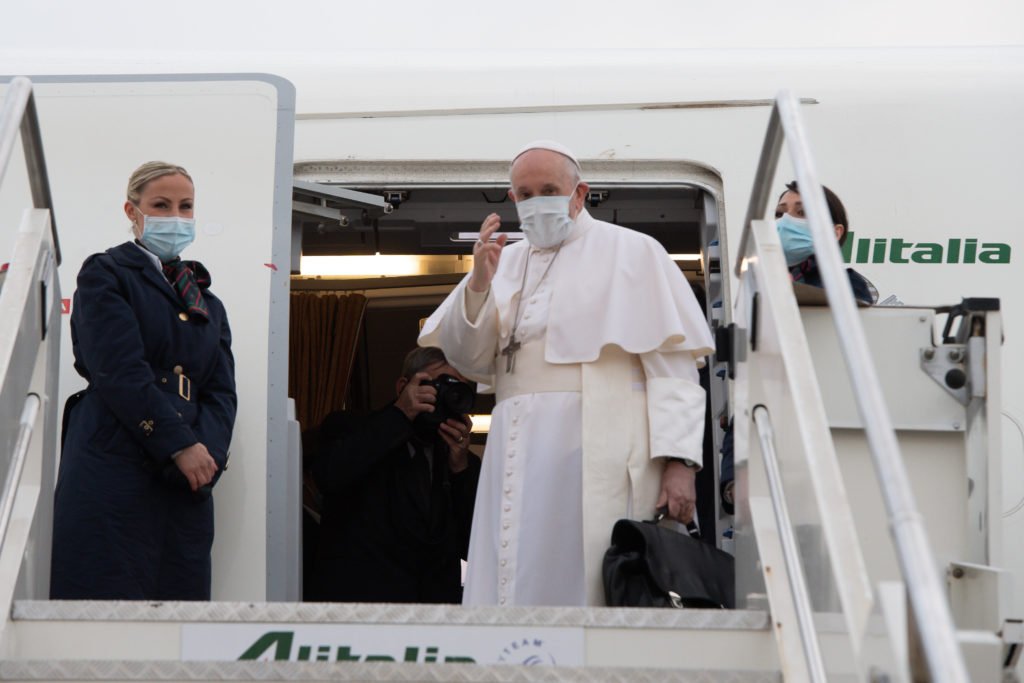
651 566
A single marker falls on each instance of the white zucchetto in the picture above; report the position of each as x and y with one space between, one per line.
549 145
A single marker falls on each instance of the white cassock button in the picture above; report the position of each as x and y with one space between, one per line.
508 473
508 489
504 581
504 544
513 437
504 562
503 601
505 525
515 402
508 508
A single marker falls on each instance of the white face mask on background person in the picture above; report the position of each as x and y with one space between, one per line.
545 221
167 236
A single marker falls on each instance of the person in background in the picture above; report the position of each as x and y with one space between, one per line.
727 486
795 234
146 441
399 487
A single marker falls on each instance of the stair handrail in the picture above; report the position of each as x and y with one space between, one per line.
19 114
931 612
21 444
790 554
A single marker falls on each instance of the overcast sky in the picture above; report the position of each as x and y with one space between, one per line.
374 31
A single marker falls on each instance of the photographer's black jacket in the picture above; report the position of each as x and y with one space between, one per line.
380 541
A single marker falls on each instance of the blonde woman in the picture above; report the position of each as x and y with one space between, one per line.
148 438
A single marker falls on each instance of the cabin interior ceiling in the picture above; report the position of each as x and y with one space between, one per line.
425 219
423 222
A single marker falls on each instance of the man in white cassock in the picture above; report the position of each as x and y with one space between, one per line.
591 338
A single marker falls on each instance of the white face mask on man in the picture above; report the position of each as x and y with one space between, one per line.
545 220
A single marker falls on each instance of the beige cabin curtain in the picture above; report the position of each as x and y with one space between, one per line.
324 331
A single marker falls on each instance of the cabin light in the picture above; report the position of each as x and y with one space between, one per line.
685 257
474 236
359 265
481 424
382 265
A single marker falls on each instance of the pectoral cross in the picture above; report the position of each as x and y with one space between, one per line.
510 353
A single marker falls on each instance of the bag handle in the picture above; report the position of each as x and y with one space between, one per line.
661 513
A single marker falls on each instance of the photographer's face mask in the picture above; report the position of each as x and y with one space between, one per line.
545 220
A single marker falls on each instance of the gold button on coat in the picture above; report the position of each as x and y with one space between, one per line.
183 315
177 369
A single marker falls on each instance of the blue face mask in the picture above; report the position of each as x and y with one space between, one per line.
795 235
167 236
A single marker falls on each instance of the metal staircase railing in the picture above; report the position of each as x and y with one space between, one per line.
794 571
19 114
21 447
928 604
30 312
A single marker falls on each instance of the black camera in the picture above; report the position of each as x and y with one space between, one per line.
454 399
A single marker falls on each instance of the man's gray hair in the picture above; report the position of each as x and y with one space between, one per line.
573 171
420 359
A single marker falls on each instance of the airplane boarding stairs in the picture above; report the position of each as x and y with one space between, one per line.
825 595
95 641
99 641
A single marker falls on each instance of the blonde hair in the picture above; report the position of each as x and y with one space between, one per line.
151 170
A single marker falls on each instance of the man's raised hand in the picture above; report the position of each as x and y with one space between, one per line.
455 432
486 254
416 399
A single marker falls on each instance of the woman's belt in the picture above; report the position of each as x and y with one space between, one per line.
533 375
174 382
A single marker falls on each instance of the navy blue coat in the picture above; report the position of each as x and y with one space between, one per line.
126 526
808 273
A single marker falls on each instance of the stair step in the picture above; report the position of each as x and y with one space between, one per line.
386 613
86 670
98 640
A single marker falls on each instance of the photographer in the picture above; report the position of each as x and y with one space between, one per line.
399 487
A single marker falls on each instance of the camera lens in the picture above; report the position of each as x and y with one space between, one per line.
459 397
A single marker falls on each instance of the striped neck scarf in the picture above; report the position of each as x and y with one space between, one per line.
798 273
189 278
